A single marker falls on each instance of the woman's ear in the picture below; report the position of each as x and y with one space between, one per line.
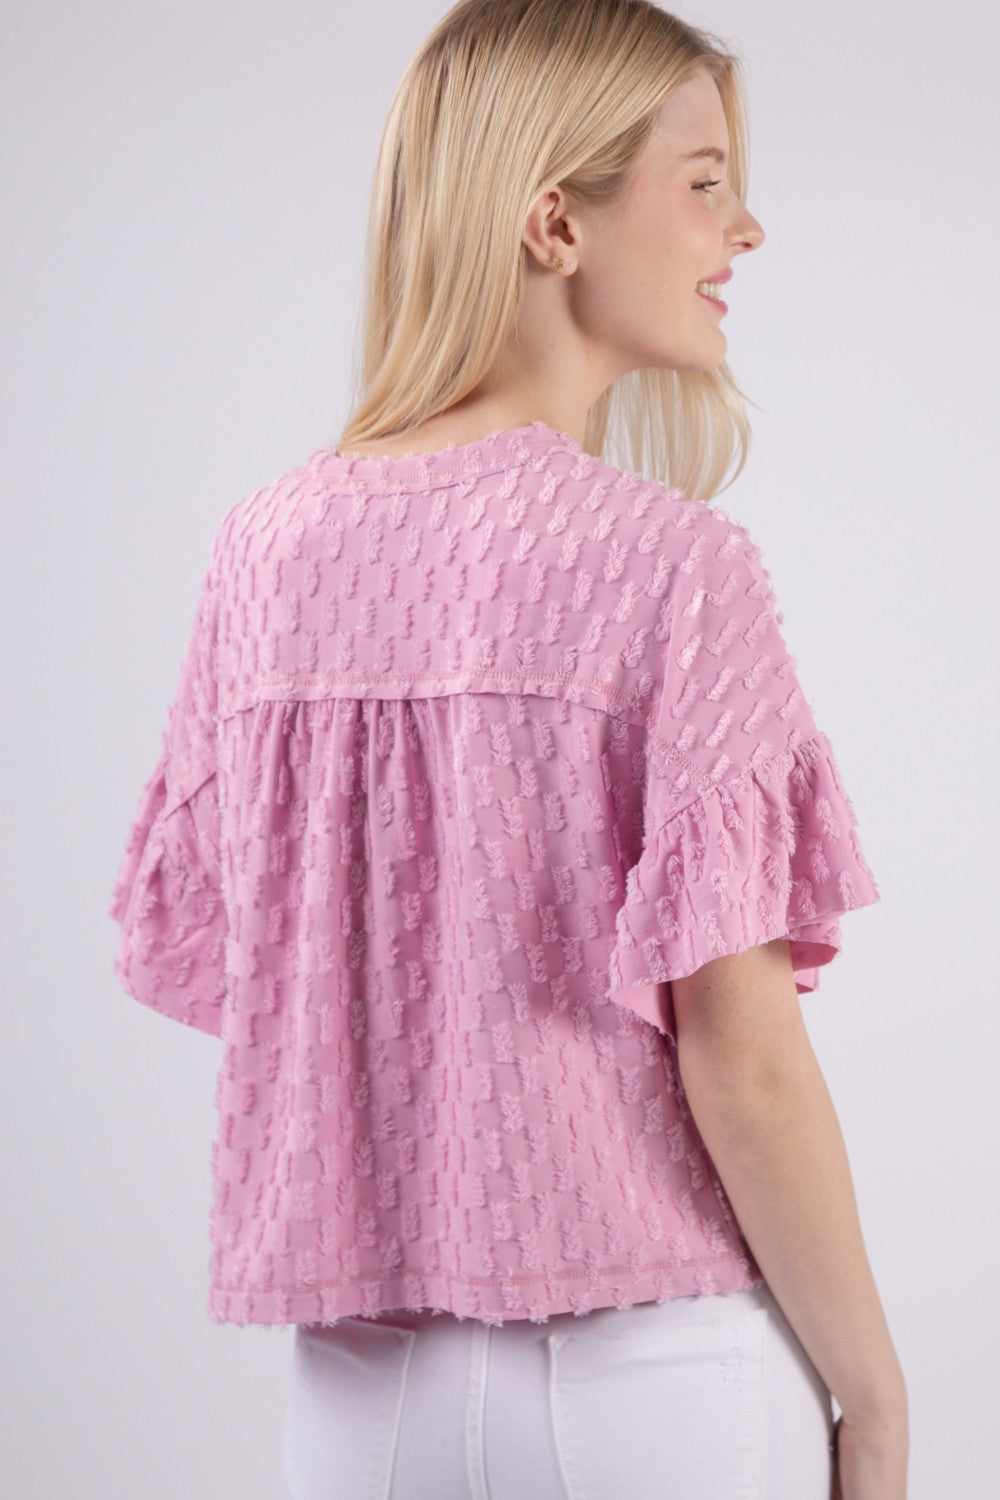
550 230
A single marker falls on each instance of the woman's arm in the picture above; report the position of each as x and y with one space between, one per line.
763 1109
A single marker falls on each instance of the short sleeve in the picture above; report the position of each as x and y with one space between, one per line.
749 833
167 895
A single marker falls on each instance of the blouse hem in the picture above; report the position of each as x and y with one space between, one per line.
491 1302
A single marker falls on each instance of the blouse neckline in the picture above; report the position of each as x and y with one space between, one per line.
499 450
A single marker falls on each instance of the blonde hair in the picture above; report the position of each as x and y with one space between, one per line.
503 98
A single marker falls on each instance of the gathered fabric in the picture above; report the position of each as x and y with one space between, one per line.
471 755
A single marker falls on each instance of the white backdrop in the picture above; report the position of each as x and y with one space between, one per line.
185 188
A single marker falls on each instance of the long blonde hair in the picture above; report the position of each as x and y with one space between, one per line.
504 98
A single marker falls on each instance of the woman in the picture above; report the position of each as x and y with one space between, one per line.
495 837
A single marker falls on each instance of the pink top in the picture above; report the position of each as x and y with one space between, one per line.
472 753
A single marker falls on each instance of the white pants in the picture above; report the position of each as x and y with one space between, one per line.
700 1398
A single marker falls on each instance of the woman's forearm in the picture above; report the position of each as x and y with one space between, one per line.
776 1142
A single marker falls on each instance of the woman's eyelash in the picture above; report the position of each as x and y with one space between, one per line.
701 186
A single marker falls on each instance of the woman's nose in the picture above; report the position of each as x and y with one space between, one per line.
746 233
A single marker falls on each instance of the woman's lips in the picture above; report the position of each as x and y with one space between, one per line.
714 302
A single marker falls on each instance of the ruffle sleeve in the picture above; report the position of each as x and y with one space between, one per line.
772 853
749 832
167 895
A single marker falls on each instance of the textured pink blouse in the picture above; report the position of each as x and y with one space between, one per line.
472 753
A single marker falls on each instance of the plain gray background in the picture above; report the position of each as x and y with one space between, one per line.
185 191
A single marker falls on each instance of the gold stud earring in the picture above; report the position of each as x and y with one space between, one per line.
557 263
